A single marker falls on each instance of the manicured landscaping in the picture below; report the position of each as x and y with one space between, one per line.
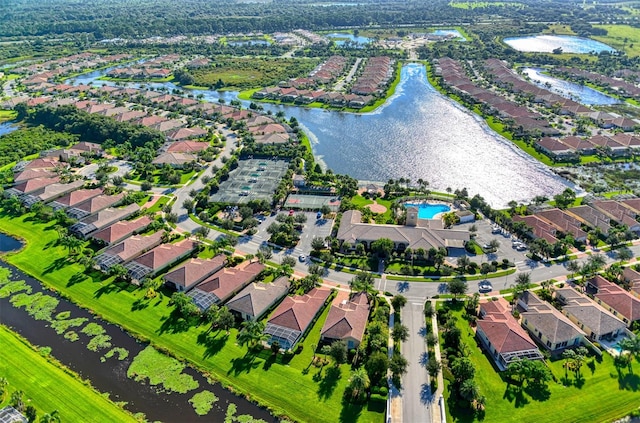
604 393
52 387
286 388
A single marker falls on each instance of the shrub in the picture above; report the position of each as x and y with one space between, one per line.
299 348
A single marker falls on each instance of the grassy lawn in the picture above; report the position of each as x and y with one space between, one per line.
285 389
484 4
602 394
51 387
621 37
7 115
559 29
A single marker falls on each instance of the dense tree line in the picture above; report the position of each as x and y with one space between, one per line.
138 19
95 128
31 140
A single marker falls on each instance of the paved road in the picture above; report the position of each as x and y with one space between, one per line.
416 396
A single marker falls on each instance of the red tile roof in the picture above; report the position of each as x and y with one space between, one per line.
502 329
122 229
347 318
134 245
78 196
227 281
165 254
298 311
195 270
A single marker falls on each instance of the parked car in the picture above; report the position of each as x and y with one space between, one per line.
302 258
485 286
319 215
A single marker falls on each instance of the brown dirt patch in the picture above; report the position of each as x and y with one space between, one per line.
376 208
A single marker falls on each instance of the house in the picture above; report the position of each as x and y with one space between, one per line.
101 220
592 318
618 213
293 317
9 414
75 197
174 159
353 231
502 336
94 205
631 278
257 298
121 230
615 299
591 217
161 257
564 222
346 320
223 284
193 272
186 133
27 174
547 325
127 250
187 147
30 186
50 192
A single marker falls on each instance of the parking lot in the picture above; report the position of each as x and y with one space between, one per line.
312 228
506 249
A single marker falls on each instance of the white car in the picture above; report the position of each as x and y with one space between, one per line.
485 286
302 258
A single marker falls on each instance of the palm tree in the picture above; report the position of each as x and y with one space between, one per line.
632 345
358 382
53 417
252 333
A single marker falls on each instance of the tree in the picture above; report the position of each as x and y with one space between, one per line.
251 334
433 366
398 364
4 383
469 390
317 244
358 382
462 369
400 332
572 266
383 247
184 305
118 271
338 351
31 413
632 345
463 262
565 199
428 309
456 287
398 302
288 261
201 232
275 347
220 318
624 254
53 417
377 365
522 283
17 400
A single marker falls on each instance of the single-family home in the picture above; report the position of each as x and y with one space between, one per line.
158 259
127 250
121 230
50 192
257 298
102 219
615 299
546 324
224 284
94 205
293 317
347 319
592 318
30 186
75 197
502 336
193 272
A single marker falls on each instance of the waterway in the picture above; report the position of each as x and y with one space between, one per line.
341 37
7 127
579 93
547 43
111 375
417 133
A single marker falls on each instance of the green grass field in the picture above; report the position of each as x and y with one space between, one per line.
604 394
484 4
621 37
50 387
7 115
286 389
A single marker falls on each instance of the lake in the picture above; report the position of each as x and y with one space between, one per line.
342 37
9 243
547 43
580 93
417 133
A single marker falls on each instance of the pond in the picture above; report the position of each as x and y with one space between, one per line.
417 133
547 43
577 92
110 375
342 37
9 243
7 128
449 33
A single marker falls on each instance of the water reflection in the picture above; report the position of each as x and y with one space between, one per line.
547 43
418 133
579 93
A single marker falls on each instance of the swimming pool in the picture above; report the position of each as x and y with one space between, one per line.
427 211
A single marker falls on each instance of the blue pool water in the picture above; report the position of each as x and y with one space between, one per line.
427 211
